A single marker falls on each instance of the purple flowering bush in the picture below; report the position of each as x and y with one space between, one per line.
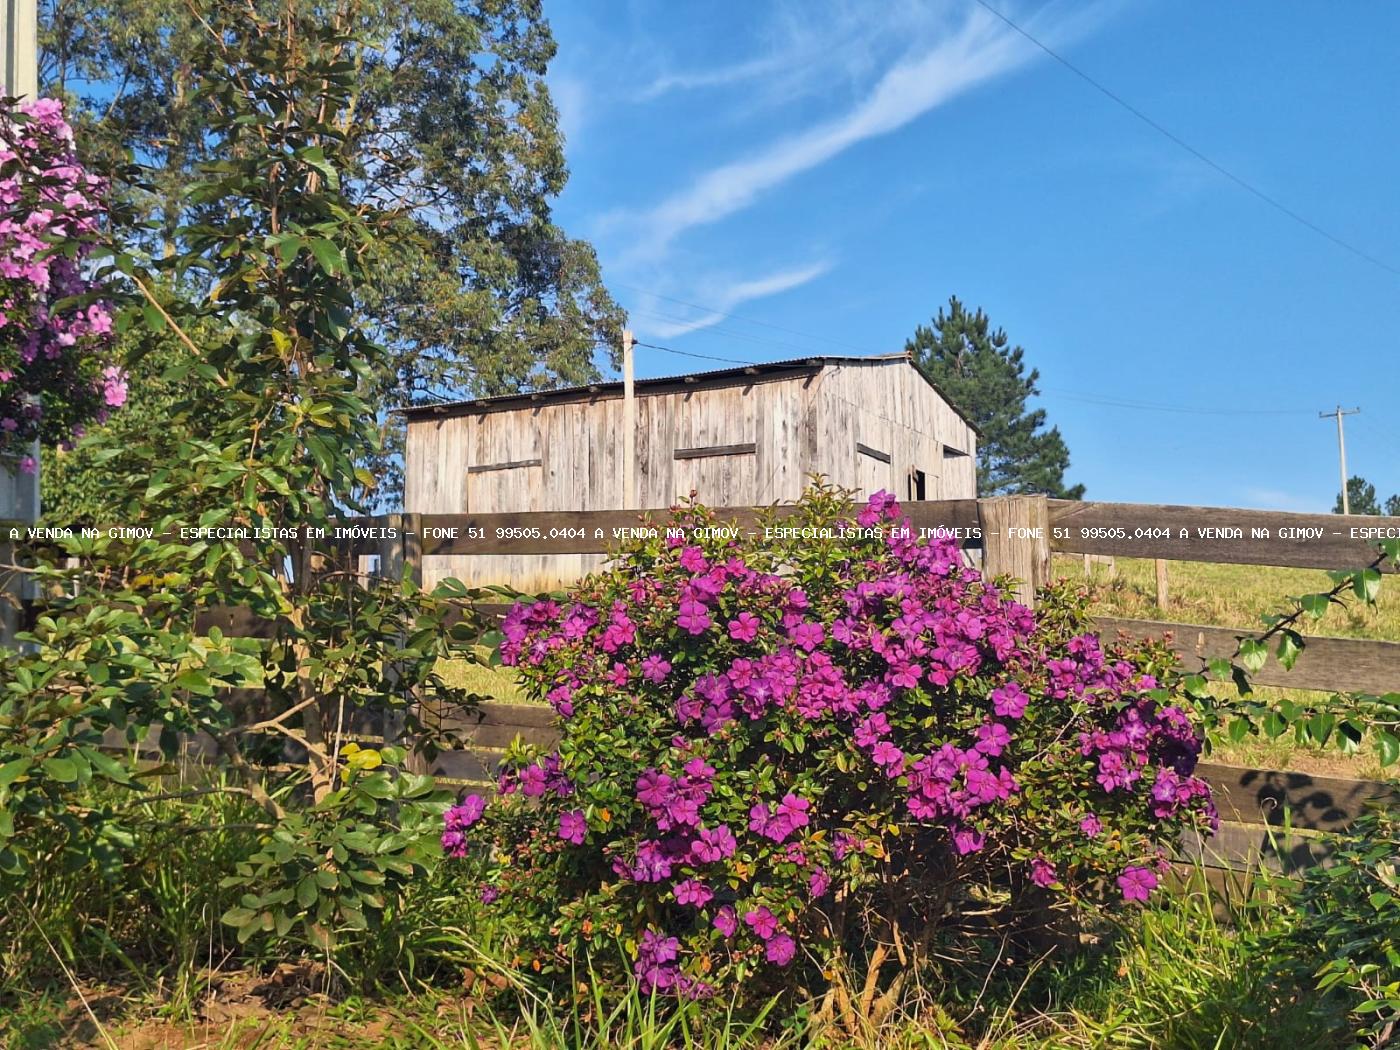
57 369
773 754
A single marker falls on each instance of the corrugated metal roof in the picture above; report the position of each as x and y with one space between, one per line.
715 377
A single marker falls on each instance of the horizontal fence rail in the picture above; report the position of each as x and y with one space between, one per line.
1273 818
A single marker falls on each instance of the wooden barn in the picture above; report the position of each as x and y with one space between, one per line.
747 436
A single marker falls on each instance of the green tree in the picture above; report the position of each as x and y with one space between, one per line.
985 377
87 484
480 293
1361 496
1392 506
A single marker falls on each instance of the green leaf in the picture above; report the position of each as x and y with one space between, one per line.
307 892
1315 605
315 156
64 770
328 256
13 770
1367 585
1290 645
1253 654
1387 747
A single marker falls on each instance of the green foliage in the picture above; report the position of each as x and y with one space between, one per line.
985 377
149 912
110 668
1348 921
95 482
1361 499
1344 721
330 872
474 290
276 283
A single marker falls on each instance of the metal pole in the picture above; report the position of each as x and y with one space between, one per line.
629 424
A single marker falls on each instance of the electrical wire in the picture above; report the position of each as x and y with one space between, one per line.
1220 169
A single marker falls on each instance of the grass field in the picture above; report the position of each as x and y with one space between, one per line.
1201 593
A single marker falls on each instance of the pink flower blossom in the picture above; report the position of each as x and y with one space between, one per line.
1137 883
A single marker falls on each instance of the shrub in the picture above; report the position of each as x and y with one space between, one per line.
772 753
57 368
1347 931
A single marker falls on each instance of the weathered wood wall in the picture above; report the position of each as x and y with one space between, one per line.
749 441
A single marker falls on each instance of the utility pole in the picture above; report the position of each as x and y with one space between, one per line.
629 424
1338 413
19 492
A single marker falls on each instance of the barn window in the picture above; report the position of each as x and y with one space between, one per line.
706 451
918 485
949 452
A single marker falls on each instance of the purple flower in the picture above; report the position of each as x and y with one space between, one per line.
793 809
694 617
713 844
454 843
693 892
726 922
744 627
818 883
807 635
1137 883
1043 872
692 559
780 949
1009 701
1090 826
654 788
573 827
655 668
992 738
489 893
966 840
763 923
888 757
465 813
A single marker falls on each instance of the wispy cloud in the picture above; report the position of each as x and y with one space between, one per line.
723 299
711 78
978 49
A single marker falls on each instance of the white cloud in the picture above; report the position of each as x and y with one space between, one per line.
710 78
979 49
723 299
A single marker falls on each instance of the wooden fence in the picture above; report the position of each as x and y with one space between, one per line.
1015 535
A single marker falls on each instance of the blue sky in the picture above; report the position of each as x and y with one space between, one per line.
825 173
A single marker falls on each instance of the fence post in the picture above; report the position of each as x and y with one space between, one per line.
1160 567
1016 541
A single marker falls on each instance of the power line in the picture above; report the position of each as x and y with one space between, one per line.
1214 165
1145 406
702 357
1093 399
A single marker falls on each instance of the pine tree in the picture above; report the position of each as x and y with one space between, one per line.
1361 497
985 377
